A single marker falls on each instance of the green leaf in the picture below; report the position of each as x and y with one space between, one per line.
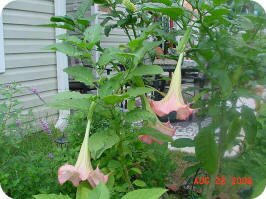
71 100
64 19
101 141
107 56
81 73
139 183
93 35
207 149
155 133
134 92
67 49
111 86
258 189
62 26
147 46
233 132
70 39
83 190
223 80
250 124
171 11
99 192
138 115
165 2
114 99
136 170
147 70
154 193
51 196
191 170
183 142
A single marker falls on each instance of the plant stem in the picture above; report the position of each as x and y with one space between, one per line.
221 141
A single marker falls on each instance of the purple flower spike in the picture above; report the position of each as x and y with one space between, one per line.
34 90
45 126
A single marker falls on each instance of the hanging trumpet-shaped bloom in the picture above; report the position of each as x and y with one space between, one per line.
82 170
164 128
147 139
173 101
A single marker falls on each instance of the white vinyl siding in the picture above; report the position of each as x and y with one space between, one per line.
26 59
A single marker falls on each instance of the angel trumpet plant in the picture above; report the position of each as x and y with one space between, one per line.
173 101
82 171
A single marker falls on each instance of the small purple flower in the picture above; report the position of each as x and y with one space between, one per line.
51 155
34 90
45 126
18 123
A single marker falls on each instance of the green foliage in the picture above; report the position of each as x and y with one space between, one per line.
50 196
207 149
99 192
81 74
154 193
183 142
100 141
72 100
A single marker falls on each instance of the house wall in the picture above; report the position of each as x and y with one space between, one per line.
27 62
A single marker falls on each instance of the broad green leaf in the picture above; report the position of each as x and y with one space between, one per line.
108 28
147 70
51 196
64 19
138 115
223 80
258 189
67 49
70 38
139 183
154 193
233 132
171 11
71 100
99 192
93 35
81 73
110 86
165 2
250 124
207 149
101 141
83 190
114 99
107 56
62 26
147 46
155 133
136 170
134 92
183 142
191 170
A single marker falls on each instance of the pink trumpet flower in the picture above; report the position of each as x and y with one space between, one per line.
164 128
173 101
82 170
147 139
